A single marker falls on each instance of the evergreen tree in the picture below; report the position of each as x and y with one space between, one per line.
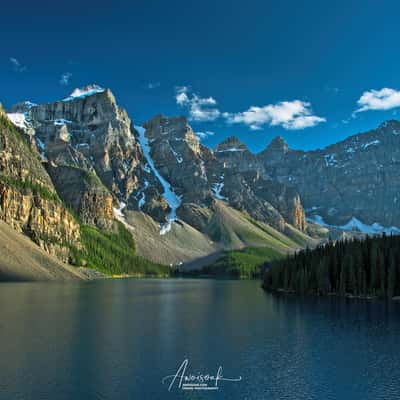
357 267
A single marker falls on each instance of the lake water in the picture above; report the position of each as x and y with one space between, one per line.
117 339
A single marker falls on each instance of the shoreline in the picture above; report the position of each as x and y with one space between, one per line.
284 292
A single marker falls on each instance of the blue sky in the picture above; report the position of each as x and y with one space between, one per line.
254 69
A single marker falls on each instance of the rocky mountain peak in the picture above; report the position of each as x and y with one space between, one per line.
275 151
85 91
390 126
162 126
230 144
278 144
21 107
171 130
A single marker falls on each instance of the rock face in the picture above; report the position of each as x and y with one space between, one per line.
89 130
88 144
178 156
230 173
248 187
355 178
95 156
88 196
28 199
234 154
84 153
22 260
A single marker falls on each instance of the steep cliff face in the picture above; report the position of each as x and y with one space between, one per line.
156 169
103 166
23 260
356 179
178 156
230 173
234 155
249 187
88 143
28 199
97 159
90 131
83 191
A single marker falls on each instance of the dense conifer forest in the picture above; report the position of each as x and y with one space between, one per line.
353 267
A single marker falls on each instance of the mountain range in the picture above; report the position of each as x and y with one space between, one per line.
83 162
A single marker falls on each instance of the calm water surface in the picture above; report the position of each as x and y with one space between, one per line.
117 339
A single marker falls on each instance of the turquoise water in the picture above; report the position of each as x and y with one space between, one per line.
117 339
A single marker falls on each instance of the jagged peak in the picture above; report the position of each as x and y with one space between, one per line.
391 123
162 119
21 107
85 91
231 143
160 125
278 144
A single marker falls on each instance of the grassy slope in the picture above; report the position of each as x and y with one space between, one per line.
232 239
182 244
237 230
250 243
244 263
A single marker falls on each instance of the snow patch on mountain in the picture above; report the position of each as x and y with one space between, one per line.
142 200
62 121
119 214
42 149
19 119
373 143
179 159
217 188
29 104
232 149
330 160
173 200
355 224
82 145
81 93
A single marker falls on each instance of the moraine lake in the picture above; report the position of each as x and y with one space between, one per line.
128 339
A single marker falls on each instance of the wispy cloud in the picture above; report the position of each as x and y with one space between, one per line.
383 99
331 89
204 135
17 66
200 108
65 78
153 85
291 115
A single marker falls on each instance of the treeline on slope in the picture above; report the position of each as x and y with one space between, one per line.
369 267
244 264
113 253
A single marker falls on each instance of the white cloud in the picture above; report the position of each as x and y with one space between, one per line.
204 135
17 66
383 99
200 108
181 96
153 85
290 115
65 78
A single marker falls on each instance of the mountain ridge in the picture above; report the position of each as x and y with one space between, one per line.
115 168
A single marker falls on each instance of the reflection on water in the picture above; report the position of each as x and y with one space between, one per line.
118 339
